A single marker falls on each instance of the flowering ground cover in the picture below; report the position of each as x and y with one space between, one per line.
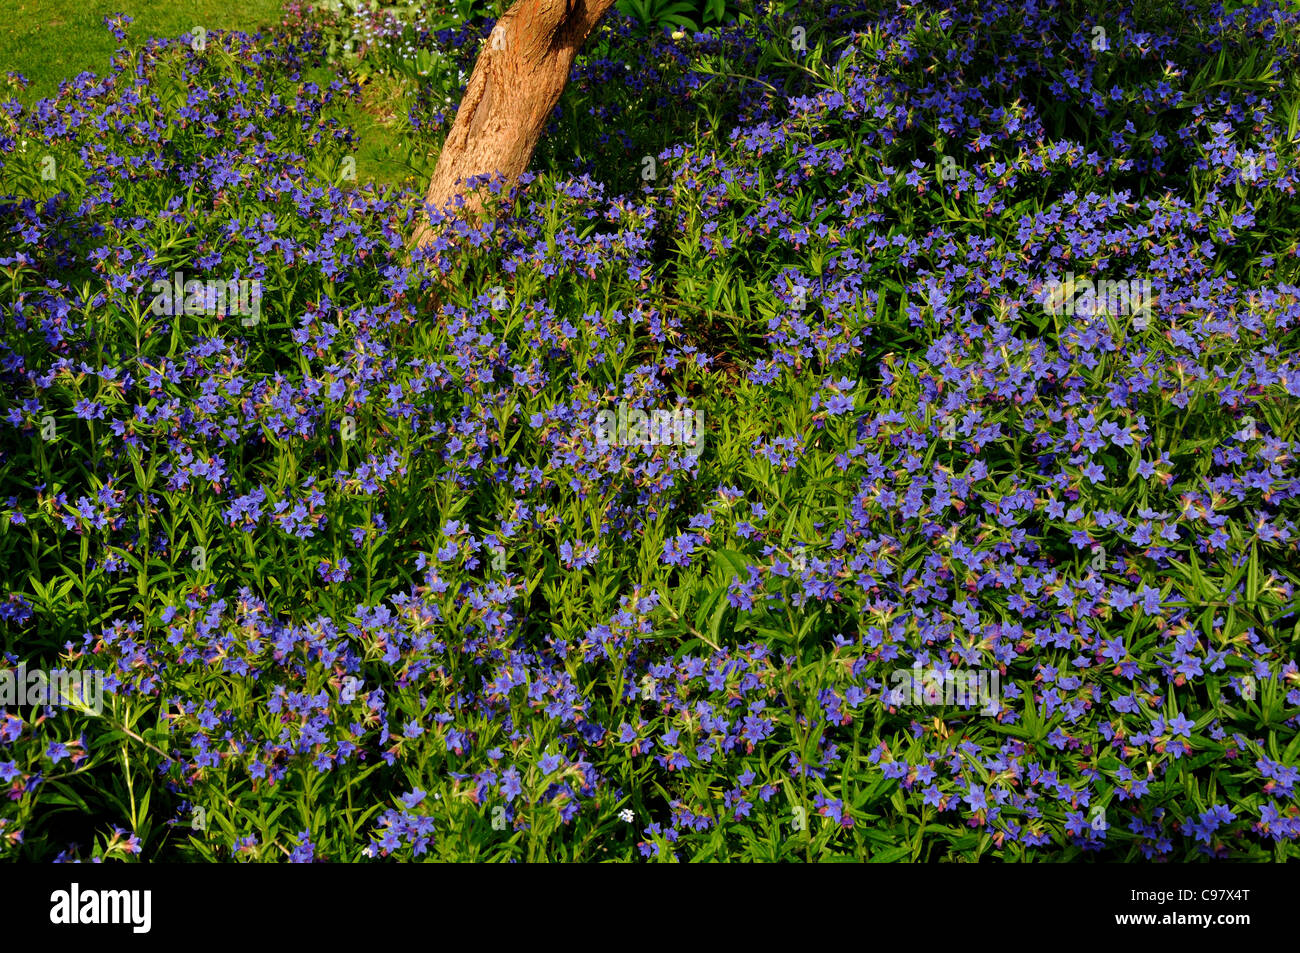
51 40
869 432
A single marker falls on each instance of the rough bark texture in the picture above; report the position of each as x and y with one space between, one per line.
517 80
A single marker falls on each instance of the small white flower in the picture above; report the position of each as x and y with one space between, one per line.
626 814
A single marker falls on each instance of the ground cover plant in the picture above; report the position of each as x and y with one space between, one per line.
965 340
52 40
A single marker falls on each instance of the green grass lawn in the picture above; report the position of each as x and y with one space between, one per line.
49 41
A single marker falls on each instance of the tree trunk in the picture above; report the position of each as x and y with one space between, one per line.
517 80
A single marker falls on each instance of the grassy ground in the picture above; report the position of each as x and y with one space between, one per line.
49 41
380 121
52 40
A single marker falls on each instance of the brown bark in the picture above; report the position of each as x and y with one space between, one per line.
517 80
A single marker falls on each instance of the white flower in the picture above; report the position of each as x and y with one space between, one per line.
626 814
